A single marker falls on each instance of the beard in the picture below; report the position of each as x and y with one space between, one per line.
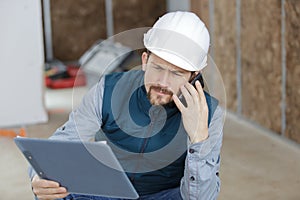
156 99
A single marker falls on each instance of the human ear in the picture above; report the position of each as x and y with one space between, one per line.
144 60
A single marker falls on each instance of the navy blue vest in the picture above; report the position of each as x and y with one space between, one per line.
149 141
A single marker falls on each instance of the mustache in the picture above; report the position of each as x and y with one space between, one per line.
161 89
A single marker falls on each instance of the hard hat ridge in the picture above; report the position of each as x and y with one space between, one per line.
180 38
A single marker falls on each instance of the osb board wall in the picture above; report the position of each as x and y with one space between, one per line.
261 59
76 25
292 10
261 62
129 14
225 47
201 8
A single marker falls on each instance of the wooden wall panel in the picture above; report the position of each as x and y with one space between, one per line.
201 8
261 62
76 25
130 14
292 10
225 48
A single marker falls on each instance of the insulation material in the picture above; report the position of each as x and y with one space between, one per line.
261 62
201 8
292 44
76 25
225 48
133 13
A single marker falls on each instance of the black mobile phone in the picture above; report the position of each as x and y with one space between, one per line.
199 78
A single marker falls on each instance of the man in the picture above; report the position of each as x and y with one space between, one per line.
170 132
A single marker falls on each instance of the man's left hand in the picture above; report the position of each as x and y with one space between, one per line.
195 113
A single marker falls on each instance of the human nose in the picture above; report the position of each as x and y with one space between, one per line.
164 78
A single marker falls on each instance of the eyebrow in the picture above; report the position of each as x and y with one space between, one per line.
172 70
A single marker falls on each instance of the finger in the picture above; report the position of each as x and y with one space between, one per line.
193 92
52 196
200 91
202 97
51 193
43 191
199 87
44 183
187 96
178 103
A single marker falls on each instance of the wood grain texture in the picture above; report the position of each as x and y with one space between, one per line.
129 14
261 62
292 10
225 48
76 25
201 8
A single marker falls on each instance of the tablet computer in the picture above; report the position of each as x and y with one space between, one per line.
82 167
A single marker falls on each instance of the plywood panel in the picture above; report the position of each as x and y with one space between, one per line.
201 8
130 14
76 25
225 47
292 10
261 62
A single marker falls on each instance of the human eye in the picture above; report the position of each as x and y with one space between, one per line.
176 73
159 68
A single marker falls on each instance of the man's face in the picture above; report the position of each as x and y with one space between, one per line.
162 79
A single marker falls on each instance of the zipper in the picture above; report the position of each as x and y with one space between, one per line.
145 141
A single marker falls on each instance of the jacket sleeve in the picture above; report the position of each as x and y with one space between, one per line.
201 175
84 121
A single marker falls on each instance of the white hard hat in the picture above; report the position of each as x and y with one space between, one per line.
180 38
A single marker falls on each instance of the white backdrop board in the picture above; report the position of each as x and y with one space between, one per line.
21 63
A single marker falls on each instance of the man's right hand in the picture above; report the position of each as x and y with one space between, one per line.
47 190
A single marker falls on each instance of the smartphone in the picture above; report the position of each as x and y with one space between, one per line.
197 77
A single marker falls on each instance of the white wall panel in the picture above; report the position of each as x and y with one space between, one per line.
21 63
